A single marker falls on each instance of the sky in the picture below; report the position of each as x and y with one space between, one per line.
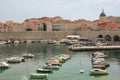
19 10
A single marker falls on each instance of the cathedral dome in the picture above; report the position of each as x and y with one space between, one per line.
102 13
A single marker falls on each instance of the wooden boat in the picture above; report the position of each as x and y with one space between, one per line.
44 71
38 76
98 72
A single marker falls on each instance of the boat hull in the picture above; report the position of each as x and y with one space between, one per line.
99 72
38 76
44 71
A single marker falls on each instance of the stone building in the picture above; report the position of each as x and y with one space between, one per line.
11 26
40 24
115 19
67 25
63 25
83 24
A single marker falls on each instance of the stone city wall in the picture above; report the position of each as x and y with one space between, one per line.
57 35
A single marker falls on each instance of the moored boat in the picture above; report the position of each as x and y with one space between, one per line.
28 55
4 65
98 72
53 62
98 55
99 66
81 71
38 76
101 63
15 60
51 67
44 71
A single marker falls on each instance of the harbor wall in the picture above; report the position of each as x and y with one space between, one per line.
57 35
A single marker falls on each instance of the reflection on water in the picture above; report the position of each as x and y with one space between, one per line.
2 70
68 71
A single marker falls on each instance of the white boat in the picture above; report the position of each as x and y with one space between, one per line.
101 63
4 65
44 71
28 55
81 71
53 63
38 76
71 42
51 41
51 67
64 56
98 72
98 55
15 60
97 60
2 42
16 42
63 40
99 66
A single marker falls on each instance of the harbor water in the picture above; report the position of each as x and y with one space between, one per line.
70 70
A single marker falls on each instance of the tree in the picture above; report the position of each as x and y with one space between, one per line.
28 29
44 27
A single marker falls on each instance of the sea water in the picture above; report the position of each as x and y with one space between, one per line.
70 70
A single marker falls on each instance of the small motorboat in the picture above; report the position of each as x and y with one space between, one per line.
99 66
81 71
51 67
101 63
98 72
98 55
44 71
38 76
28 55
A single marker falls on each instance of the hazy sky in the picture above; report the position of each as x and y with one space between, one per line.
19 10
